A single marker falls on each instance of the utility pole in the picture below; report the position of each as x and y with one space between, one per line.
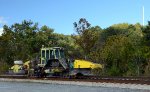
143 15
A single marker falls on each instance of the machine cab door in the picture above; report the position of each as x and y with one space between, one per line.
43 59
45 56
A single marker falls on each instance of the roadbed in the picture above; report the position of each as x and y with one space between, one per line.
79 83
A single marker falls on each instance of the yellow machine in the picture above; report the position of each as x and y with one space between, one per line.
54 63
84 68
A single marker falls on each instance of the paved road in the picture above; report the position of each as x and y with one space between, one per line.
35 87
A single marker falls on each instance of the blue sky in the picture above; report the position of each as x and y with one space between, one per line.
60 14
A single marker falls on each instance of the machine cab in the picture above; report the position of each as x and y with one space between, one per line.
51 53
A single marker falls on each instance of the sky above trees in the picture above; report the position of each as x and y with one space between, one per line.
60 14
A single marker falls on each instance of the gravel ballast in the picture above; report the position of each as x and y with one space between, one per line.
94 84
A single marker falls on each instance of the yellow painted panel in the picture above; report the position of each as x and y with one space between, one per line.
86 64
27 64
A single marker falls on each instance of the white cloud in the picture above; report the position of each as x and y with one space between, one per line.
2 20
1 31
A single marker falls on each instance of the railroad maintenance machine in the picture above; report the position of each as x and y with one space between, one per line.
54 63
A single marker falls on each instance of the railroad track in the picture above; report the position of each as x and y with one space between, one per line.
125 80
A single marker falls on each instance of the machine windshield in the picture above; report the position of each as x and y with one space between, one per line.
52 54
59 53
62 54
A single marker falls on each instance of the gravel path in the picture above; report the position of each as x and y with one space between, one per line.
94 84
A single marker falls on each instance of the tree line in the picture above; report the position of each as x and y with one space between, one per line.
123 49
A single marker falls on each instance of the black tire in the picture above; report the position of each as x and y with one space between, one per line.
79 76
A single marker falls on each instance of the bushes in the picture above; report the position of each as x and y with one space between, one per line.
97 71
4 67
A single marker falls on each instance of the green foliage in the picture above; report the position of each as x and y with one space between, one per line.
147 69
97 71
147 34
113 71
23 41
116 53
86 36
4 67
81 26
123 49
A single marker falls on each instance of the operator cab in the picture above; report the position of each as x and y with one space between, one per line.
52 62
51 53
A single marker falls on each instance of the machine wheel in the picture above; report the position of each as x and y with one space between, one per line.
39 72
79 76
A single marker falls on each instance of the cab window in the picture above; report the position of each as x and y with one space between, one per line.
57 53
52 54
43 53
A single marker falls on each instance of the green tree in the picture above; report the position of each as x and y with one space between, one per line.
23 41
86 36
146 41
120 49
